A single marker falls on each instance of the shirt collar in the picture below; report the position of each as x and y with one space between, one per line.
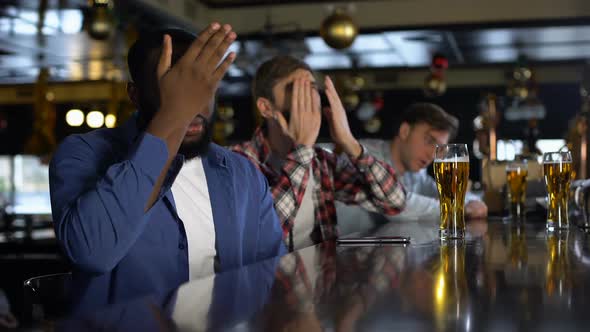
261 146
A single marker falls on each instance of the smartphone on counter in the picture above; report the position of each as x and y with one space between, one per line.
373 240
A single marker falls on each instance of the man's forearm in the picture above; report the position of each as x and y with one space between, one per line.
383 189
99 214
172 132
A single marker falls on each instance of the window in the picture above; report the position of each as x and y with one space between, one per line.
508 149
31 185
5 180
550 145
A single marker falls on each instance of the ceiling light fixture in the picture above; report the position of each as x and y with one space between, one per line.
95 119
339 30
75 118
110 120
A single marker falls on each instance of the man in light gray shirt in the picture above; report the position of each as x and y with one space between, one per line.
422 126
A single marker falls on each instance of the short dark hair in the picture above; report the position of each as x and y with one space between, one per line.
432 115
144 54
142 59
273 70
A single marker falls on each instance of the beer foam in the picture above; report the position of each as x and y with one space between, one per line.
557 162
464 159
516 168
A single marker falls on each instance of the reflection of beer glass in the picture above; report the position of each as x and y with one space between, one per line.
451 171
558 281
518 252
451 306
516 173
557 170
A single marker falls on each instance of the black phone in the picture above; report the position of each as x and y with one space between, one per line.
373 240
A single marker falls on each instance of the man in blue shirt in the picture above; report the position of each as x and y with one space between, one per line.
117 219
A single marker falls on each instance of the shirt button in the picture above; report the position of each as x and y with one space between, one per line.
181 246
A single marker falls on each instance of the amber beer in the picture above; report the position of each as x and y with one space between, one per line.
451 177
516 179
558 177
516 176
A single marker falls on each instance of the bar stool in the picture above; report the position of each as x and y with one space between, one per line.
46 297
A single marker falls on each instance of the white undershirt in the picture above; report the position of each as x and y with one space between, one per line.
305 216
191 196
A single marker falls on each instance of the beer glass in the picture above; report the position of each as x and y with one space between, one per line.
516 174
451 171
557 171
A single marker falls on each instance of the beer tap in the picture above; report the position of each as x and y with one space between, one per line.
485 148
491 100
583 127
583 131
577 137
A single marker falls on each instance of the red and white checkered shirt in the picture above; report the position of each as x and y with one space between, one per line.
364 181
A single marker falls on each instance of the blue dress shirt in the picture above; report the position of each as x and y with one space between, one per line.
100 183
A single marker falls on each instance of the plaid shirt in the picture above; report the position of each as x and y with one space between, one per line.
364 181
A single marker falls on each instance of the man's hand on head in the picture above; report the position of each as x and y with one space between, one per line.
338 122
188 86
306 119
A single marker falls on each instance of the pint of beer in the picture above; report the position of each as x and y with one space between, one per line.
557 170
451 171
516 174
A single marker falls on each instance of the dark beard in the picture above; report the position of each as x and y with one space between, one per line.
193 149
287 115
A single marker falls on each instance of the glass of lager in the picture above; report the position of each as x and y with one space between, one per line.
451 171
516 173
557 170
